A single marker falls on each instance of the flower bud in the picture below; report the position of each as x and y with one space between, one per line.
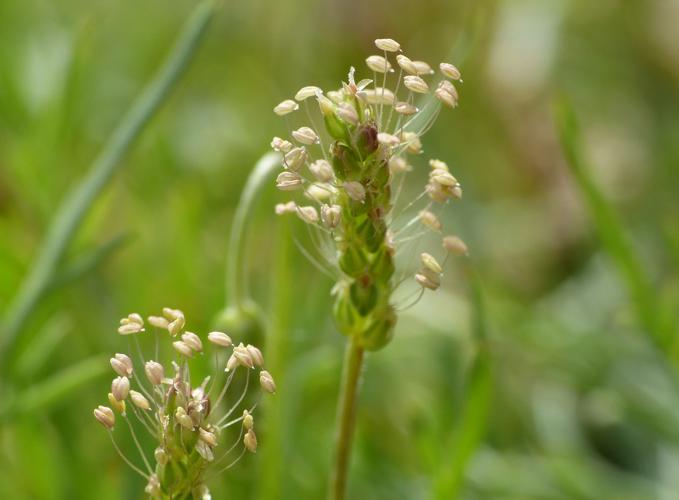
119 406
322 170
295 159
428 279
250 441
406 64
412 140
232 363
446 97
450 71
193 341
416 84
243 356
172 314
183 419
430 262
133 318
289 181
379 95
347 113
139 400
423 68
443 178
306 92
120 387
398 164
331 215
308 214
387 44
285 208
405 108
378 64
248 420
154 372
182 348
319 191
256 355
158 322
438 165
176 326
105 416
130 328
430 220
286 107
208 437
388 140
220 339
355 190
305 135
281 145
267 382
454 245
122 364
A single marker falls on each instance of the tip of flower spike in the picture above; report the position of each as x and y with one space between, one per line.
305 135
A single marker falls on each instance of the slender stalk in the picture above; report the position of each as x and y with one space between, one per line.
138 444
75 206
127 461
237 403
346 419
236 284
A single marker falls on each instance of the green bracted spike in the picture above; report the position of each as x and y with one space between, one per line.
362 308
364 297
352 261
379 332
336 128
345 162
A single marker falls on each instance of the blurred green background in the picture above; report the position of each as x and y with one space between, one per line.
545 367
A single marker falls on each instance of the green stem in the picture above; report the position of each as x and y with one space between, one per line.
75 207
346 418
235 266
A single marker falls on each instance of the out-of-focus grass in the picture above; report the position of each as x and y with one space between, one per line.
580 403
648 303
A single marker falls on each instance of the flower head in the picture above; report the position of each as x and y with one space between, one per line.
183 417
353 168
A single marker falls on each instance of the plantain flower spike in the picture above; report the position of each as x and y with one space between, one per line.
352 169
187 421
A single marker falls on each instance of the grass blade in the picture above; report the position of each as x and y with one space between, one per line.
611 231
470 428
75 206
55 388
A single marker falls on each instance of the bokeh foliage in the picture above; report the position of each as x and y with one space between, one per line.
537 370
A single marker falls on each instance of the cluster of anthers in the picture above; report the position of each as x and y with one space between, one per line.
186 420
360 159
